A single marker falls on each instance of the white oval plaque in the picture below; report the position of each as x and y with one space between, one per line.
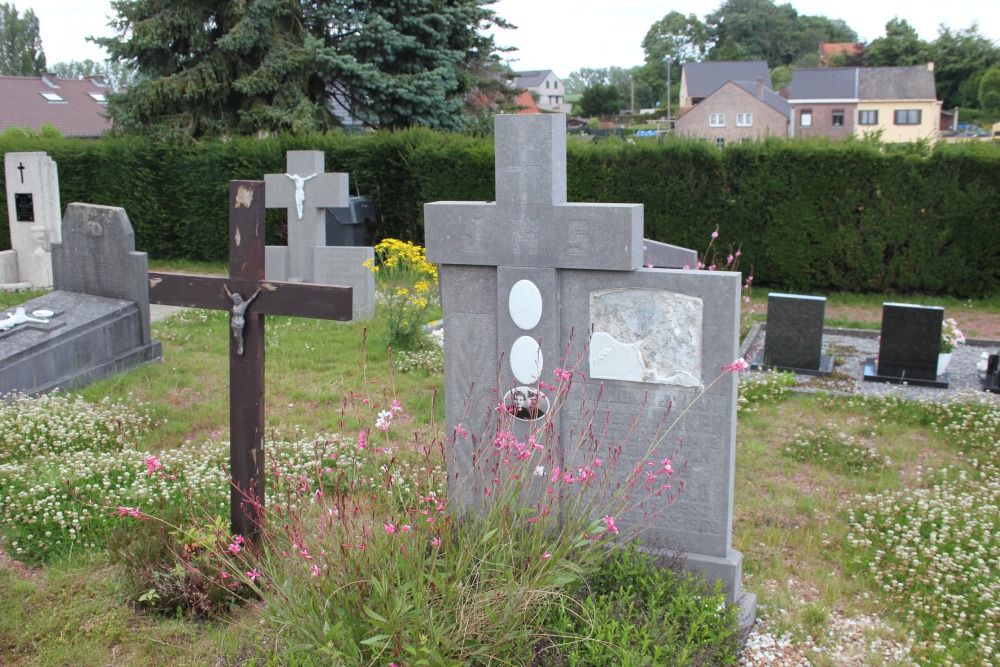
42 313
526 360
525 304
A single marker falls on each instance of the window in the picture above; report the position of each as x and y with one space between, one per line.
716 120
907 117
99 97
720 142
838 118
52 97
868 118
744 120
546 84
806 118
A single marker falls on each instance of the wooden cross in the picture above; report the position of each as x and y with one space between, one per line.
246 352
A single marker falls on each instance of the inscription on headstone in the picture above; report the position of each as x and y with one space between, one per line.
909 346
25 207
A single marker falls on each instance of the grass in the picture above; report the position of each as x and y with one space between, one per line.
838 503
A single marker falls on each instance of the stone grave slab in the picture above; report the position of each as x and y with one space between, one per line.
306 192
95 322
909 346
527 278
35 219
794 339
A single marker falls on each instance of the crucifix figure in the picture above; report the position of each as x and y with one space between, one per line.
246 370
306 222
300 191
18 317
20 168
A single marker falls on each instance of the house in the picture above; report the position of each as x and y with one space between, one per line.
699 80
737 111
545 87
897 103
75 107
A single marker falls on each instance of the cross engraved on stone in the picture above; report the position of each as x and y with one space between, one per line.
246 366
300 191
237 321
18 317
20 168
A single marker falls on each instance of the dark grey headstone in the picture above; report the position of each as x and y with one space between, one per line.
794 338
911 341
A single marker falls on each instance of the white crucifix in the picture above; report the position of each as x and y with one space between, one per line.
306 191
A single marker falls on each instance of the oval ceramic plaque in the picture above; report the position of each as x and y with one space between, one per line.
42 313
525 304
526 360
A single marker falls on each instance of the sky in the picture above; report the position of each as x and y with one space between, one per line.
564 37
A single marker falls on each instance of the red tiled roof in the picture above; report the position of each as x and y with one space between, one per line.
526 103
76 115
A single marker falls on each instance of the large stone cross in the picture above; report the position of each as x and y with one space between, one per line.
248 297
306 191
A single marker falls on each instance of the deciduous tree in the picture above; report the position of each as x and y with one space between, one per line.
20 44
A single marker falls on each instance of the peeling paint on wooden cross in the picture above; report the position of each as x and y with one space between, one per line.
246 351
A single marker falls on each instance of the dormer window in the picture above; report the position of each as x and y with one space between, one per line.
52 97
99 97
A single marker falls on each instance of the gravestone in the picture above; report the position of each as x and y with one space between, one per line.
523 281
909 346
794 340
991 381
248 296
95 322
306 192
35 220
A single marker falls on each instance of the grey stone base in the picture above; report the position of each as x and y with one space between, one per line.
87 339
825 366
871 375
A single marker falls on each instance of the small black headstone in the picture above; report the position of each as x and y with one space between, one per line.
991 382
909 347
24 206
794 340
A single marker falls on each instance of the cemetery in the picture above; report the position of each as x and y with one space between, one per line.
264 448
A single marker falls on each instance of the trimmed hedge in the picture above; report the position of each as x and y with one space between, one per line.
809 216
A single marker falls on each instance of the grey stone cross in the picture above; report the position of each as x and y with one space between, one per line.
306 191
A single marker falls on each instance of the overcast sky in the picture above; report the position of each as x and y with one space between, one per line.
566 36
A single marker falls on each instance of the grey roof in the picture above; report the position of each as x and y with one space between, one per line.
915 82
705 78
768 97
824 83
531 78
898 83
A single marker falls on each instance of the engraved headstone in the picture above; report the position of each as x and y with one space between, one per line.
526 278
794 339
306 192
35 220
909 346
95 322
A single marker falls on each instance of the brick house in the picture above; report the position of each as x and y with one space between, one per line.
737 111
699 80
824 101
77 108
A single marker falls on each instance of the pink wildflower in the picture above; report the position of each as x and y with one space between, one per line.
361 440
315 570
253 575
598 463
562 374
737 366
239 539
234 548
152 465
715 234
405 528
389 528
436 542
396 406
610 523
546 555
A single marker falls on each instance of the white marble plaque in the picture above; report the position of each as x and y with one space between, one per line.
525 304
526 360
646 335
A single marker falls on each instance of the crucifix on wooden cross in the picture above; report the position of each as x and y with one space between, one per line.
248 297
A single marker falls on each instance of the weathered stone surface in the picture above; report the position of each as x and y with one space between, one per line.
795 333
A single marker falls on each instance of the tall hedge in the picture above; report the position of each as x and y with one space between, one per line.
810 217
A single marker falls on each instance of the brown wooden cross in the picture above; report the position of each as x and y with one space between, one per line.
246 350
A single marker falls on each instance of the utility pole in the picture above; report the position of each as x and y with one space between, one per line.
668 95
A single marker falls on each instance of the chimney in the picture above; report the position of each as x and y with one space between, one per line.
930 67
760 89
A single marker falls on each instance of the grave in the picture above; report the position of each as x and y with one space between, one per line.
248 296
95 322
991 381
524 280
306 192
35 219
794 339
909 346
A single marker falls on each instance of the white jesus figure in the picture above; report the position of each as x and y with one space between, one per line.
300 191
18 317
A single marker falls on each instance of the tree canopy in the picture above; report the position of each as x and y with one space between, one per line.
20 44
600 100
214 67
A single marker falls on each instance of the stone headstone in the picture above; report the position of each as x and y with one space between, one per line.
35 220
524 280
991 380
909 346
306 192
794 339
95 322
